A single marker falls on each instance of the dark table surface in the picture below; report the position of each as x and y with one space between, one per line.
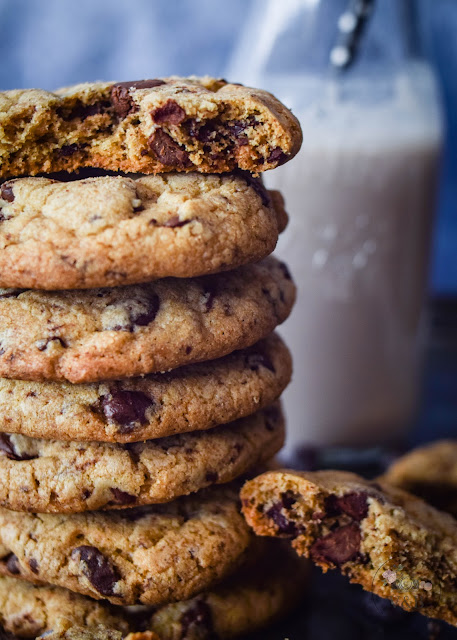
333 609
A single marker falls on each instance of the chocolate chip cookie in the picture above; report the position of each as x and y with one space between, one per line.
103 334
192 398
82 633
150 555
49 476
117 230
252 598
147 126
392 543
429 472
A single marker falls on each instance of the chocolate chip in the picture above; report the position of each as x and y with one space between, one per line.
126 408
210 291
7 446
122 497
121 99
149 314
339 546
352 504
212 476
285 270
84 111
12 564
43 344
169 113
101 573
6 191
285 527
197 622
256 184
34 567
277 155
167 151
257 360
203 132
68 150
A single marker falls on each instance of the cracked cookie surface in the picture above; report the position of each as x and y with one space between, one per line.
108 334
49 476
267 587
147 555
148 126
115 230
195 397
379 536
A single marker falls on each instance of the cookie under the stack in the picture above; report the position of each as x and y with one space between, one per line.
138 360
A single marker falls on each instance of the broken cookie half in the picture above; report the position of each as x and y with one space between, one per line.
390 542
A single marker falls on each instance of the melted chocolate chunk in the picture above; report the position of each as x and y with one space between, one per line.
126 408
34 567
43 344
140 313
6 192
339 546
197 621
257 360
167 151
7 446
285 270
352 504
203 132
277 155
84 111
12 564
69 149
121 99
122 497
100 572
169 113
283 525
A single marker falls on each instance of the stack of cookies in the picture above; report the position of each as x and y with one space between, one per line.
139 373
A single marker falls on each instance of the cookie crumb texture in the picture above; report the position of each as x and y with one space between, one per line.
67 477
109 334
368 530
192 398
148 555
115 230
264 589
149 126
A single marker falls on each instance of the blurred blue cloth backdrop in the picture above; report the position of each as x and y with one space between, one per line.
52 43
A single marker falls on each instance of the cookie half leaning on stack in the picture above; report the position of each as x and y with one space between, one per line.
138 360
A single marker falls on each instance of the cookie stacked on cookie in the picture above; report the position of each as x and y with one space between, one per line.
137 360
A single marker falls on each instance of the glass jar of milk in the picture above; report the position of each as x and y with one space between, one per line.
360 196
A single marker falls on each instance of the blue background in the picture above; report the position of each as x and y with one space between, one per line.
52 43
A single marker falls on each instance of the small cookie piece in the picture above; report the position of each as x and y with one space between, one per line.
266 588
48 476
148 555
117 230
429 472
108 334
192 398
147 126
379 536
